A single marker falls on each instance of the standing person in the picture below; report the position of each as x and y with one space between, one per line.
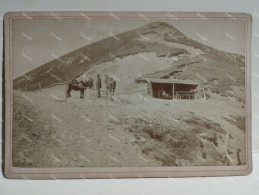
98 85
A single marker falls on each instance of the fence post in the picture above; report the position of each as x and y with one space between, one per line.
39 86
94 96
173 91
204 96
107 99
117 97
66 88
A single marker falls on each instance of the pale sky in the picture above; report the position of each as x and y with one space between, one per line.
38 41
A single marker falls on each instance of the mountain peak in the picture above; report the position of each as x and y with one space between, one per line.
159 24
162 30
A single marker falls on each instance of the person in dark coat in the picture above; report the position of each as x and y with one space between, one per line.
98 85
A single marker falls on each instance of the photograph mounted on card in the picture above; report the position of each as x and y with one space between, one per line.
127 94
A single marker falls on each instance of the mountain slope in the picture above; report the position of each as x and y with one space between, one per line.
195 61
73 64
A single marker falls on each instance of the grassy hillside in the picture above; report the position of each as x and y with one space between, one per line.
217 71
73 64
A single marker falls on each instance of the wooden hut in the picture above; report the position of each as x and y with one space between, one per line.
175 89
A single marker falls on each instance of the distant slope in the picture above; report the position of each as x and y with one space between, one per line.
73 64
218 71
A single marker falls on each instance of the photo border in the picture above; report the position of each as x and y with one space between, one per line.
117 172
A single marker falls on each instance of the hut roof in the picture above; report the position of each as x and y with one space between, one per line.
176 81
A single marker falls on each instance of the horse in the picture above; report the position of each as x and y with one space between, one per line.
110 86
79 86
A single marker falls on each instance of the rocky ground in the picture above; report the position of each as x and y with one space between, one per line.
134 130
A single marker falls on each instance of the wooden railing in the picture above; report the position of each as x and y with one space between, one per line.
185 95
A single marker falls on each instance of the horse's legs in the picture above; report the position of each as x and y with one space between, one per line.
82 91
85 92
107 92
68 92
113 94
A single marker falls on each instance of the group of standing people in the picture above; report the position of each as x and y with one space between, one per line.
110 86
82 85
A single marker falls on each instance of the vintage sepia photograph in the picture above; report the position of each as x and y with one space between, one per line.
127 91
